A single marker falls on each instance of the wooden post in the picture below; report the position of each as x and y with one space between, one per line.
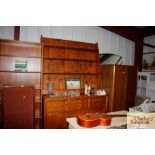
139 38
16 32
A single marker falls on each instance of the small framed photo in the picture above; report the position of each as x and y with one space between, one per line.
73 83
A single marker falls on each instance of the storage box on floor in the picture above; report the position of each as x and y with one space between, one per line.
145 107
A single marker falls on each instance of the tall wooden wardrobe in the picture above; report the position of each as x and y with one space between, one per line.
121 81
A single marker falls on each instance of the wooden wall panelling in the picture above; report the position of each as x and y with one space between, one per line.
51 78
62 66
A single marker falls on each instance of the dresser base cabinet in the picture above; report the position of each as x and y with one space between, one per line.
96 104
57 109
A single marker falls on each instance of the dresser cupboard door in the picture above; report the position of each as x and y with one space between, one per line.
18 107
56 121
98 104
76 107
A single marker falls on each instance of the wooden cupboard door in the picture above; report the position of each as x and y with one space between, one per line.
107 79
98 104
120 88
132 87
18 107
56 121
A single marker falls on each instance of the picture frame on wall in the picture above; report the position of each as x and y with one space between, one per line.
72 83
148 61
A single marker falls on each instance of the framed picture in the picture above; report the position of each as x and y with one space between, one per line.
148 61
73 83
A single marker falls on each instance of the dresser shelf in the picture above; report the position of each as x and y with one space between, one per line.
65 59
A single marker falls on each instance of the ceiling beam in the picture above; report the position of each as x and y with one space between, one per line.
128 32
149 31
139 50
16 32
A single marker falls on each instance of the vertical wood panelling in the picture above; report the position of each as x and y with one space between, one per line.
45 31
88 34
82 33
114 43
23 33
132 53
100 41
55 32
98 38
78 33
121 47
33 33
7 32
108 42
30 33
127 52
66 32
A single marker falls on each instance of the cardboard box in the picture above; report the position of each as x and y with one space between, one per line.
136 109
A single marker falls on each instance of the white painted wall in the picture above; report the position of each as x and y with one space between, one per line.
7 32
108 42
149 40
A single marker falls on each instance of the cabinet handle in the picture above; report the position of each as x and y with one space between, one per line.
24 97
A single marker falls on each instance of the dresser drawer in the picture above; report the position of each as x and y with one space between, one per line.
55 106
73 105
